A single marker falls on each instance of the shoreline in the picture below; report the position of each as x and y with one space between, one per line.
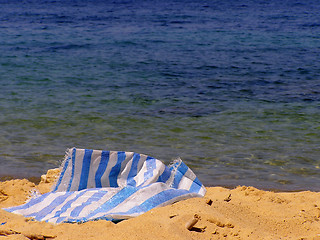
37 179
243 212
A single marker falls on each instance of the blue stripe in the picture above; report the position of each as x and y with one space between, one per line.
102 168
155 200
29 204
85 169
182 169
95 197
62 173
175 165
72 170
151 165
68 204
39 215
114 201
59 220
133 170
165 175
196 186
113 176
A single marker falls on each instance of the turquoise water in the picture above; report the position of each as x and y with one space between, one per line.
231 88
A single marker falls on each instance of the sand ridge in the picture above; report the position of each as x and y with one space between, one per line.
240 213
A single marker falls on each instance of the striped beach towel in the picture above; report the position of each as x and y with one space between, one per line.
111 185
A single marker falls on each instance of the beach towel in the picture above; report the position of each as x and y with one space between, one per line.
111 185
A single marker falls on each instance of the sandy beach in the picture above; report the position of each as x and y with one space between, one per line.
239 213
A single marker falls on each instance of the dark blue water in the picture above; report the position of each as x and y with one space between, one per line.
231 87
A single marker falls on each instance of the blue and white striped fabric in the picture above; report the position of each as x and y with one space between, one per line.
110 185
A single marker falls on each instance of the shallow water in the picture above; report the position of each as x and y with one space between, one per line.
231 88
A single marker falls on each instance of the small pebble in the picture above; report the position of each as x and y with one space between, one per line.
189 225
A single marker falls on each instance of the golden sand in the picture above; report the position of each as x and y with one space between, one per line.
240 213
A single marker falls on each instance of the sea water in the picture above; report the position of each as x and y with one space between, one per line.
231 87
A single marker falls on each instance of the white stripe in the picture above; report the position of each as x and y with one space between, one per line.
140 176
94 205
142 160
139 197
187 180
113 157
141 169
95 161
41 205
77 169
58 207
125 169
202 191
176 165
67 174
53 220
160 167
78 202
